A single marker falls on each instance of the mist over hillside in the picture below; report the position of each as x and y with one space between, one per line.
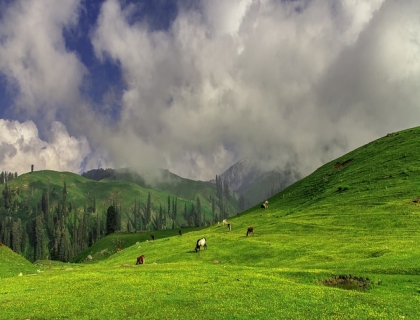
256 182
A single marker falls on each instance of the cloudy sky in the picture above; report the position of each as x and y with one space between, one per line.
194 86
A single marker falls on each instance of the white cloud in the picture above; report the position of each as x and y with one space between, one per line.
21 147
243 78
33 57
293 83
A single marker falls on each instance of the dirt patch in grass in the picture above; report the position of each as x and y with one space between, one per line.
347 282
339 164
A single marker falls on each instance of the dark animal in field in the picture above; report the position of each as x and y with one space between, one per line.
229 227
249 231
118 249
141 259
180 232
1 244
265 205
201 243
152 237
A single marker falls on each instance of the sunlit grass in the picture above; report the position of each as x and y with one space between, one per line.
310 233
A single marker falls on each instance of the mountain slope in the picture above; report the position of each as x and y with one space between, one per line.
382 173
255 183
163 180
29 188
356 218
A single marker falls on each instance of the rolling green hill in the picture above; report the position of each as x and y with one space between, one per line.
71 227
12 264
164 180
342 243
30 186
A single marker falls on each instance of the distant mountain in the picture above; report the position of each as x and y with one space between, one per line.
255 183
166 181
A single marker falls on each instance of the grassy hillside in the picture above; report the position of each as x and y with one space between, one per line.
164 180
104 248
12 264
342 243
30 187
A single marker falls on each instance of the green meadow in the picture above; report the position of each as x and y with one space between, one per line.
342 243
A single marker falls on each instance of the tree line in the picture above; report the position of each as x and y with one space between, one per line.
57 232
7 176
221 202
56 229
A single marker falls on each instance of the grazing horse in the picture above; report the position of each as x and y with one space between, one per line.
250 230
152 237
141 259
201 243
180 232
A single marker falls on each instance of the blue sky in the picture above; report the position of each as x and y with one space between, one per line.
194 86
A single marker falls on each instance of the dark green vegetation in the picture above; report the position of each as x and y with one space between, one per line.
59 214
342 243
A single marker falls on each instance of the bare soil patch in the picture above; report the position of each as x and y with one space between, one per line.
347 282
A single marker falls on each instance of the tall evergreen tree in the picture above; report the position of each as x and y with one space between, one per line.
160 219
39 238
111 220
185 212
17 236
226 191
64 247
192 219
97 227
198 217
148 215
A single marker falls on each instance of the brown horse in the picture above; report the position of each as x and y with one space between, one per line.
250 230
141 259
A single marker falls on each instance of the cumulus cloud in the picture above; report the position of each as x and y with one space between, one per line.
21 147
44 76
291 83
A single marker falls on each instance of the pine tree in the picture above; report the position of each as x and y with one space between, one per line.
24 243
175 209
39 238
97 227
185 212
226 191
160 219
198 217
111 220
64 248
7 231
192 219
148 214
17 236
